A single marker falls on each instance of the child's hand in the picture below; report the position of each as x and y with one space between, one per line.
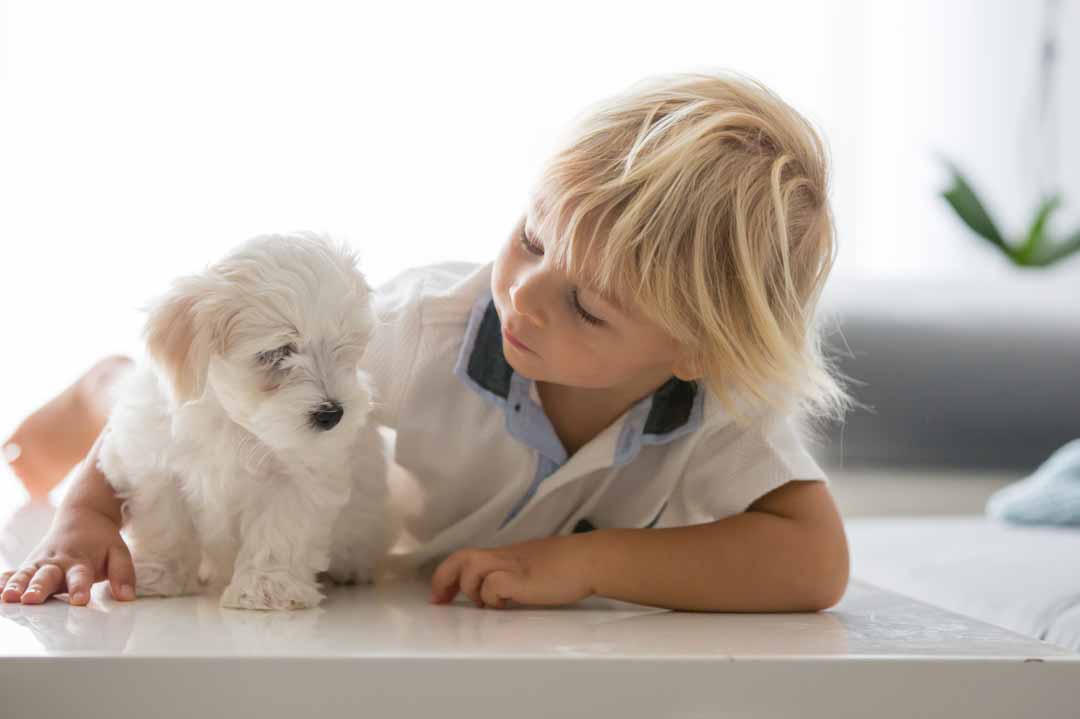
82 547
550 571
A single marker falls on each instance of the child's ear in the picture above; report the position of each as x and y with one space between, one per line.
179 337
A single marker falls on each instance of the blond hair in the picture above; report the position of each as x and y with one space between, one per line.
702 199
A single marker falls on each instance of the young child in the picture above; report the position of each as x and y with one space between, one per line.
615 404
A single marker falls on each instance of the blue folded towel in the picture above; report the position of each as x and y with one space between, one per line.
1050 495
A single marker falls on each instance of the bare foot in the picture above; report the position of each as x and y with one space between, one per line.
58 435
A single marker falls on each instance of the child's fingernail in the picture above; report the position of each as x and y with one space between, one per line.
126 592
12 451
77 597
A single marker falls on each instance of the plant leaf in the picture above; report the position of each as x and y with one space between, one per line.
1059 252
1036 238
967 205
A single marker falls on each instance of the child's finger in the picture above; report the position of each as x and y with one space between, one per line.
445 578
79 580
121 572
445 595
45 582
476 572
16 583
500 588
472 576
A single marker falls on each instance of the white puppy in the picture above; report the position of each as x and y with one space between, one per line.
242 449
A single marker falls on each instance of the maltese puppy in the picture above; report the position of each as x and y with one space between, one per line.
242 449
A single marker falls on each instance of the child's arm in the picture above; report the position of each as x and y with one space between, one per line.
786 553
83 545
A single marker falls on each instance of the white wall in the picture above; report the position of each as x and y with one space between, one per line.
957 77
140 140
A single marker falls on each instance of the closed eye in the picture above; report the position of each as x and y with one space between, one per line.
274 358
575 304
529 244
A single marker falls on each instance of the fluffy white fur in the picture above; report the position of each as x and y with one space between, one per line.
229 480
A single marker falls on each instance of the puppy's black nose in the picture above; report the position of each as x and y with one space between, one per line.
327 416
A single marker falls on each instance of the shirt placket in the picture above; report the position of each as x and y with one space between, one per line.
528 423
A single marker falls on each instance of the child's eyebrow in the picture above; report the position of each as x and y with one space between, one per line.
609 298
606 297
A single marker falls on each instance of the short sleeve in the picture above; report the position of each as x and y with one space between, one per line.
732 467
392 349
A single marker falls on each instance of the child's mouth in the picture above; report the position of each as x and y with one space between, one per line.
515 341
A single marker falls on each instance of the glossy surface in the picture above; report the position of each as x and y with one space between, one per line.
396 620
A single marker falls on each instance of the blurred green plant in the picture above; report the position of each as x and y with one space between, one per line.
1036 249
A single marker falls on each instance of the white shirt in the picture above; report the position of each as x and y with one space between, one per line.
488 466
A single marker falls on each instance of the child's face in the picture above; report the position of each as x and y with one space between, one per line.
558 330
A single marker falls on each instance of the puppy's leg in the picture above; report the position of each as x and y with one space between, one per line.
362 539
286 543
219 550
365 529
162 539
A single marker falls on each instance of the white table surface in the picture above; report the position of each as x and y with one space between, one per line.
385 651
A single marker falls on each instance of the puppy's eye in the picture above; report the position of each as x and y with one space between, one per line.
273 358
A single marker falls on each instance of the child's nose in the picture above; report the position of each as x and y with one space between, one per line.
525 304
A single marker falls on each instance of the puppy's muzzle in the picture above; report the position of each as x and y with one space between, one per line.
327 416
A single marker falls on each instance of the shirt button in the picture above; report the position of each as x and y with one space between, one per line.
517 407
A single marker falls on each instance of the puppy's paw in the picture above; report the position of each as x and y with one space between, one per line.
277 591
155 579
355 573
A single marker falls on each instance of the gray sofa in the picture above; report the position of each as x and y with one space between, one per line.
963 373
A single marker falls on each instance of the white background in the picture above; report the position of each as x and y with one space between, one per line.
140 140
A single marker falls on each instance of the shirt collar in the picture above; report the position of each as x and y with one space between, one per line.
672 411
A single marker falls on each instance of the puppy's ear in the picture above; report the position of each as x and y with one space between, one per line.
179 339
